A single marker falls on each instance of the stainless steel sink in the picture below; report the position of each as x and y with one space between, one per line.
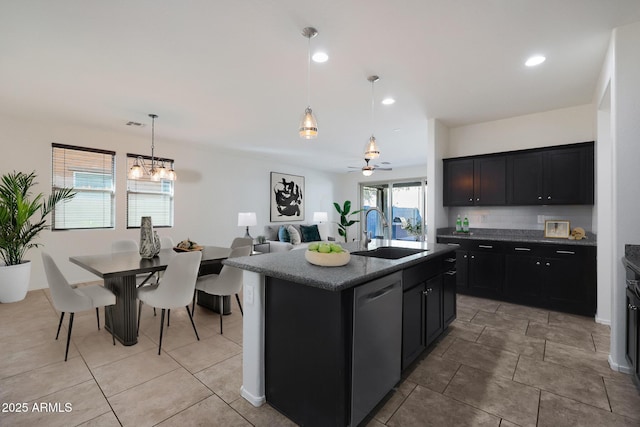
389 252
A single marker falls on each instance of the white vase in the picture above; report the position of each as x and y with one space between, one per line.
14 282
149 240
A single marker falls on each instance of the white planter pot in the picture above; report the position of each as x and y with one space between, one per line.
14 282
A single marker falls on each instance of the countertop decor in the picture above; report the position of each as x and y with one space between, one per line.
632 257
514 235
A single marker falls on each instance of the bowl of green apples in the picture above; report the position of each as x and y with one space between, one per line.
327 254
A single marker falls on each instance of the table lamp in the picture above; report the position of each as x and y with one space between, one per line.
247 219
320 216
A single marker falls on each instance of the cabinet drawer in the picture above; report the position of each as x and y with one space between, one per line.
420 273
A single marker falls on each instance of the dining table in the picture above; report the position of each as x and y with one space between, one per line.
119 271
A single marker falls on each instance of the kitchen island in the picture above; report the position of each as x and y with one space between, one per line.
323 345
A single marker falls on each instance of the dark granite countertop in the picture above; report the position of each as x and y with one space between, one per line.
293 266
512 235
632 257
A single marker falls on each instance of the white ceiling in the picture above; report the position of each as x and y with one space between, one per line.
233 73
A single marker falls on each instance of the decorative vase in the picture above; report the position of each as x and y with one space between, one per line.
14 281
149 240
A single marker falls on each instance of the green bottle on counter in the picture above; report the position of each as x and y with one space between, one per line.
458 224
465 225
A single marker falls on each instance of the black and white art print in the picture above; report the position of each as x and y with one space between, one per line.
287 197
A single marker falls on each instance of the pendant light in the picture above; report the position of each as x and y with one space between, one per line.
308 124
156 170
371 150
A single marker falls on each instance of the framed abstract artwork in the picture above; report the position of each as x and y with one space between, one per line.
287 197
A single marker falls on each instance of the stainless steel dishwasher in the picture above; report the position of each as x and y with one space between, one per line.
377 343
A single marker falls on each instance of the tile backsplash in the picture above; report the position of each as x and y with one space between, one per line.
522 217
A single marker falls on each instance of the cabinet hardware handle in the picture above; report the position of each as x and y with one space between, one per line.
632 282
473 257
539 197
450 244
478 199
450 260
485 246
451 273
632 307
522 249
465 256
548 264
566 252
427 292
471 199
538 263
548 197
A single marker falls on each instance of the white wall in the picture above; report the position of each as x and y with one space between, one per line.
212 187
437 142
557 127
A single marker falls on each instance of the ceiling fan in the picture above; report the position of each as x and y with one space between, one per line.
368 169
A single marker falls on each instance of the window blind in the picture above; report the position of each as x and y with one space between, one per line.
90 172
149 198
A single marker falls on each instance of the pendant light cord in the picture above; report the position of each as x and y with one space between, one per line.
309 72
372 108
153 136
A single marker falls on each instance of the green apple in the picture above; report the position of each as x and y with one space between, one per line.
324 248
335 247
313 246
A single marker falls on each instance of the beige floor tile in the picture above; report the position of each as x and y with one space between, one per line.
179 334
501 321
505 423
16 362
85 400
433 372
558 411
602 343
477 303
465 330
530 313
212 412
567 336
224 378
98 349
156 400
578 323
574 384
496 395
105 420
489 359
372 422
624 397
428 408
392 402
36 383
439 347
263 416
129 372
205 353
512 341
576 358
465 314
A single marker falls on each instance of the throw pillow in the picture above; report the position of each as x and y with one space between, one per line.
310 233
294 235
283 234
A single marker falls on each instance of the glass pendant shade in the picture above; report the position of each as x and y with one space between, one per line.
136 171
367 171
371 150
308 125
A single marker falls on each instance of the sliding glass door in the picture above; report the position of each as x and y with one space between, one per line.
403 204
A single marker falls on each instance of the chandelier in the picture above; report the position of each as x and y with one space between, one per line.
156 170
308 128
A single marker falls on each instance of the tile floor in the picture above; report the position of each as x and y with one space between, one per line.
499 365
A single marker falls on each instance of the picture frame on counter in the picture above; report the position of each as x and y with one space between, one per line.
556 229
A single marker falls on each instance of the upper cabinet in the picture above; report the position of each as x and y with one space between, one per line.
475 181
562 175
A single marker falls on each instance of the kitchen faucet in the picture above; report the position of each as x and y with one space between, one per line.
365 242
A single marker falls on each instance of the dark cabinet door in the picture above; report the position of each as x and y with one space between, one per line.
631 346
565 289
524 179
486 270
449 297
433 309
413 342
489 181
566 176
462 271
458 182
523 278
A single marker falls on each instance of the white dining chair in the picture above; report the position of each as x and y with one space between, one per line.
174 290
67 299
130 245
227 283
166 242
241 241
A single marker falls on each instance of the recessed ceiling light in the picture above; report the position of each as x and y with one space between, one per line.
535 60
320 57
388 101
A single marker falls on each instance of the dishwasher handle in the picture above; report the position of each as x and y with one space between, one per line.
367 298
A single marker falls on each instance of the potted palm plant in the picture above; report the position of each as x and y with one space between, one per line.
22 218
345 220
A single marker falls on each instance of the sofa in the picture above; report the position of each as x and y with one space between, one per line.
271 233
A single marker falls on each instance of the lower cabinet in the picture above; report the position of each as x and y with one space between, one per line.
632 330
554 276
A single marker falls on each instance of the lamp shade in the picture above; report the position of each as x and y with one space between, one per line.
247 219
320 216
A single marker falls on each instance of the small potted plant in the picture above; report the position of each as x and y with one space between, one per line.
345 214
22 218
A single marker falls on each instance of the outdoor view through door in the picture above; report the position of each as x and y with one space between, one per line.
403 204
